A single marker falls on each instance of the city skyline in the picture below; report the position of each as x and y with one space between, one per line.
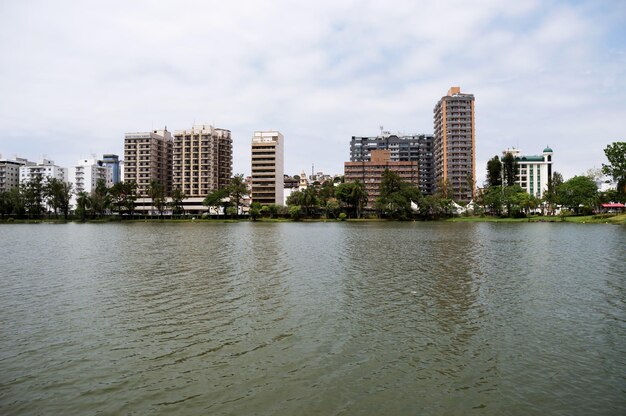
76 79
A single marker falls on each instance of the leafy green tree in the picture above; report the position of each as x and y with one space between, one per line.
616 155
16 202
309 199
326 191
32 193
178 196
551 196
332 208
512 197
578 192
83 205
295 212
255 211
123 196
295 198
510 169
58 194
396 195
217 199
237 189
6 204
492 200
494 172
353 195
156 191
100 198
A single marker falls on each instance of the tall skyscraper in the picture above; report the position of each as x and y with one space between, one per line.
455 144
203 160
402 148
267 167
148 157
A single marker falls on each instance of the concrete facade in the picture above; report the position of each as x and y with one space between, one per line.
370 172
455 145
10 172
202 160
147 158
45 170
403 148
534 172
268 168
113 161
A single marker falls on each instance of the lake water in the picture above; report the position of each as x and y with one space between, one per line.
313 319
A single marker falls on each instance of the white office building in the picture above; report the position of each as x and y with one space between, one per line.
10 172
534 171
87 172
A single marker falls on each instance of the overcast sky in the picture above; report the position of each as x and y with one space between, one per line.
76 75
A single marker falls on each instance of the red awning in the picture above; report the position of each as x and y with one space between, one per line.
612 205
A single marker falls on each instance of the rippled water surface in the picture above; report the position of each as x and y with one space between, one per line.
313 319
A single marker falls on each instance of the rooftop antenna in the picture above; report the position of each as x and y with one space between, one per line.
312 169
381 130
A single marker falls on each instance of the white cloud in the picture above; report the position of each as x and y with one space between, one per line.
76 76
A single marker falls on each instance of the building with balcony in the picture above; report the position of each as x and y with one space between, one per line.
202 160
402 148
370 172
268 167
534 172
44 170
10 172
454 145
86 174
147 158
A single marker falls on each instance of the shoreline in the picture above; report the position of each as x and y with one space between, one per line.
618 219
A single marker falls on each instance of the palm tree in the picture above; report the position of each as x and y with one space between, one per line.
178 196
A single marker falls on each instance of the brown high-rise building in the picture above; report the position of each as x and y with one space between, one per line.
455 144
370 172
147 158
203 160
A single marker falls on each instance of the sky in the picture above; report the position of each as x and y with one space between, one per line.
75 76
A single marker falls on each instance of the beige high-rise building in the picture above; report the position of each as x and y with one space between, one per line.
203 160
455 144
147 158
267 167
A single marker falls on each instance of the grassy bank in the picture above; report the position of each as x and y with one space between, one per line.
586 219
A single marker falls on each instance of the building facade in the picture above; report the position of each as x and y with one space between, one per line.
147 158
203 160
44 170
268 167
534 172
86 174
10 172
454 145
403 148
113 161
370 172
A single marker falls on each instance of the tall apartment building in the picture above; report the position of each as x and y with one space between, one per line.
87 172
10 172
113 161
268 167
370 172
45 170
455 144
403 148
148 157
534 172
203 160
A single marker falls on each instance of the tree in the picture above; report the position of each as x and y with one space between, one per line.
58 194
156 191
494 172
295 198
295 212
510 169
100 198
178 196
578 192
309 199
83 205
255 210
32 193
124 195
551 194
6 204
396 195
352 195
217 199
616 155
332 207
236 190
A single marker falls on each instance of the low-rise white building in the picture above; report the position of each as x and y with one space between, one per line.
45 170
534 171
